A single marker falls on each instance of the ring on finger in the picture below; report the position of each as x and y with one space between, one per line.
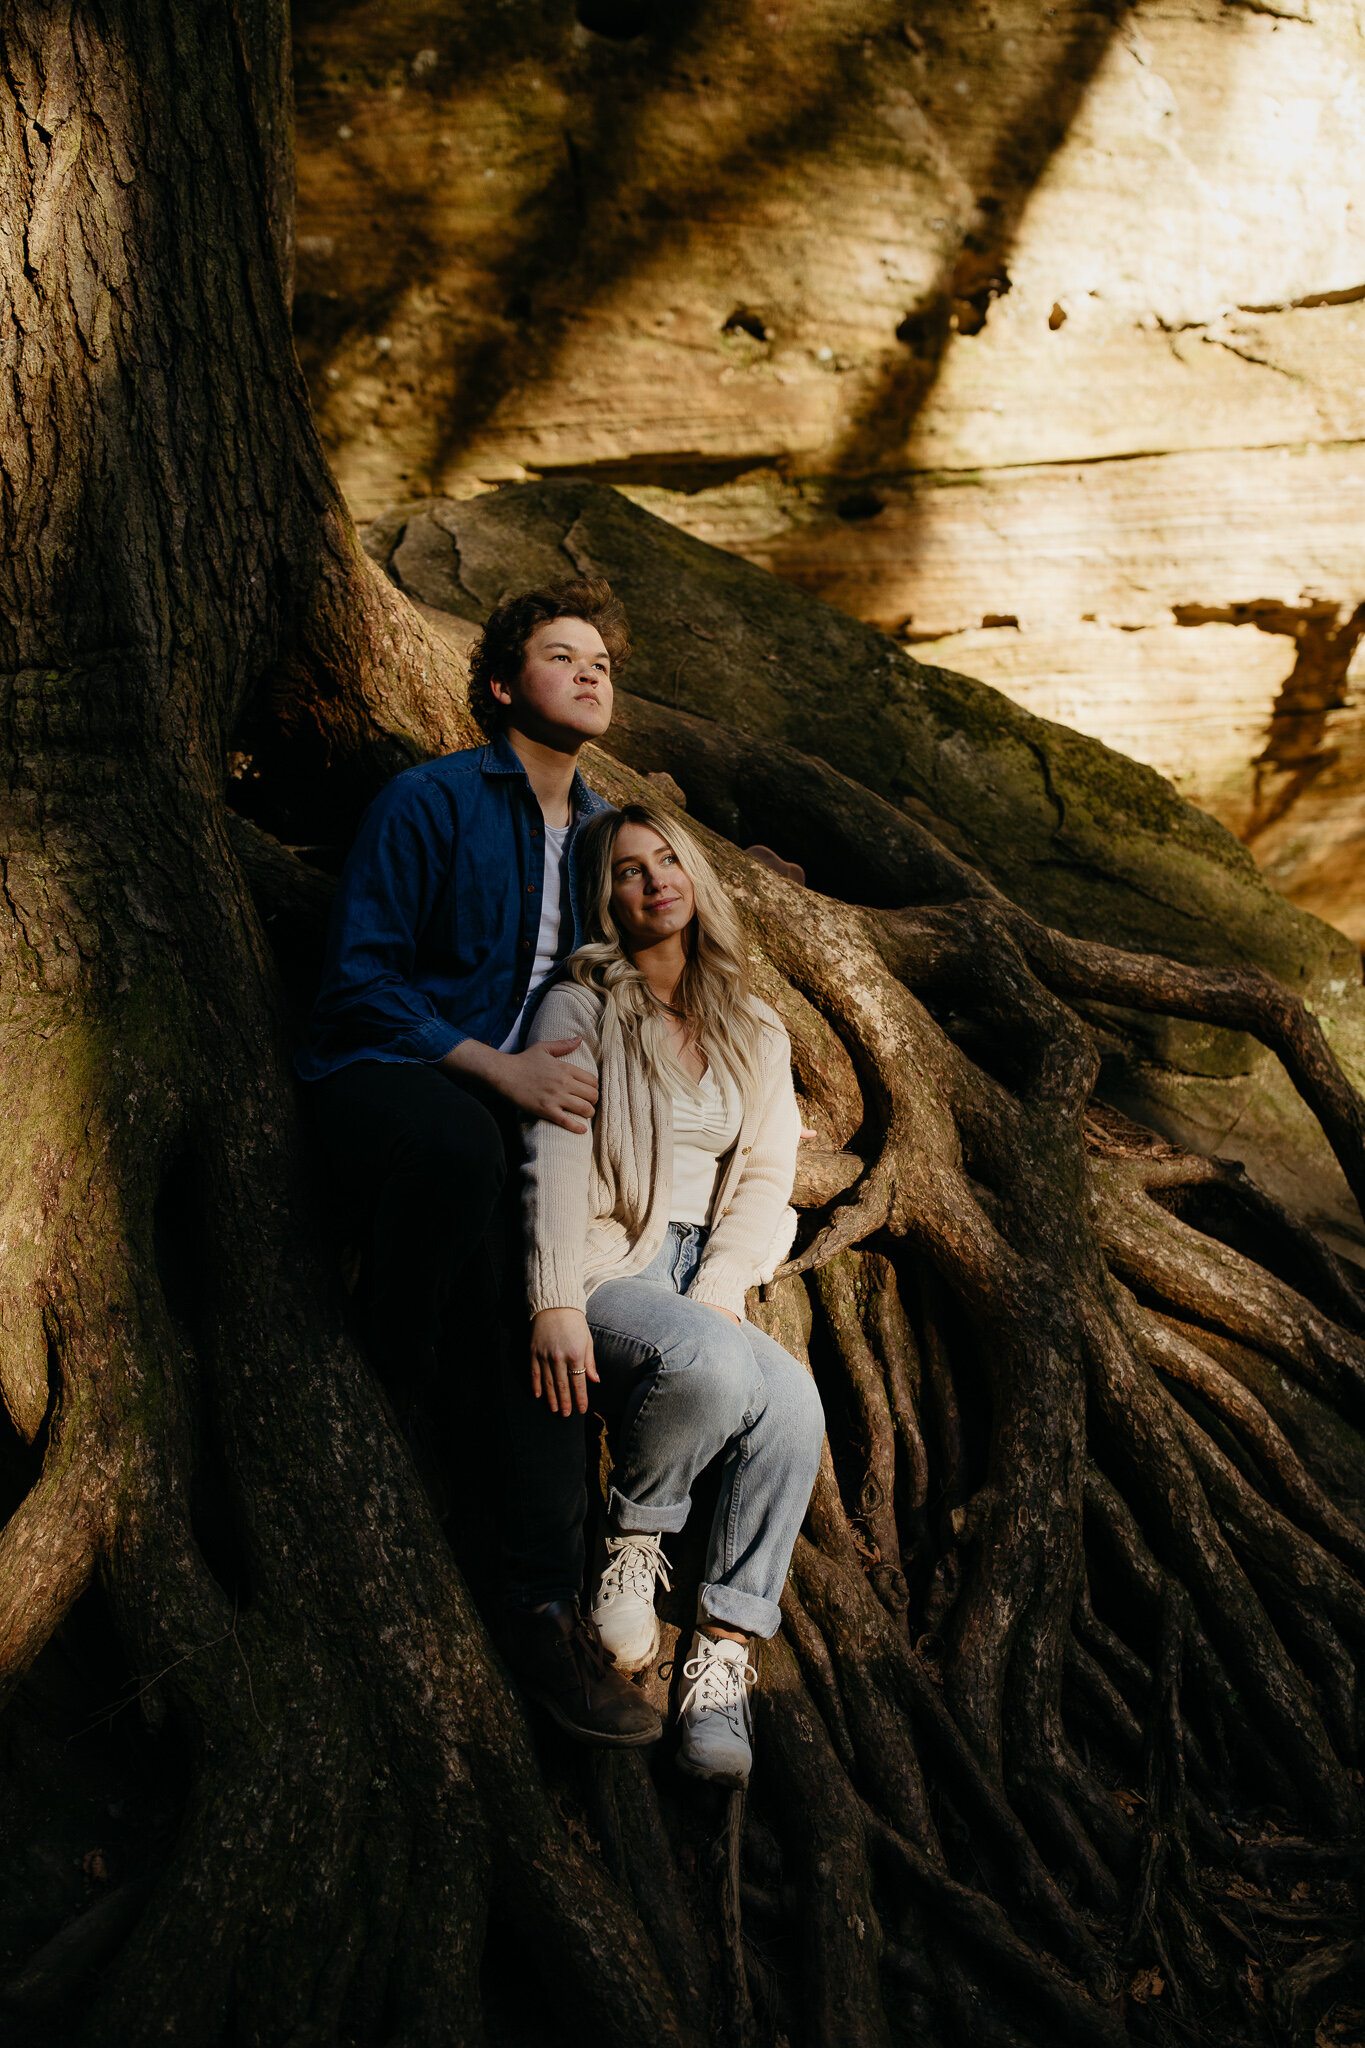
578 1372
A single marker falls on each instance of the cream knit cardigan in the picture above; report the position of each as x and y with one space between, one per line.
595 1204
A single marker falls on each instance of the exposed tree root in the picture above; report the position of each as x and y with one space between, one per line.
1076 1622
980 1760
47 1556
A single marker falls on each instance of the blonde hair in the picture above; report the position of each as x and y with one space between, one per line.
713 997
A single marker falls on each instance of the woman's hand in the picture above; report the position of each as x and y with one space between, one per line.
729 1312
561 1359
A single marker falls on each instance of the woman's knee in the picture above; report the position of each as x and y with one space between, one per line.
795 1408
710 1365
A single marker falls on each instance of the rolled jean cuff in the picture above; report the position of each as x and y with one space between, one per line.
749 1611
638 1521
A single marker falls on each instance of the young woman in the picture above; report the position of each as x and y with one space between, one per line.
644 1232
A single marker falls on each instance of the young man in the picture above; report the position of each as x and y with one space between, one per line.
457 899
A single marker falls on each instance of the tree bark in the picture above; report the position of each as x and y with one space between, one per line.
177 549
1068 1675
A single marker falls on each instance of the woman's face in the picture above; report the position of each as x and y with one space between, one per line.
651 897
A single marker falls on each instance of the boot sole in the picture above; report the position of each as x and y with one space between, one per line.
640 1739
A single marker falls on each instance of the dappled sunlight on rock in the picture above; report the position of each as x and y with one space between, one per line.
949 314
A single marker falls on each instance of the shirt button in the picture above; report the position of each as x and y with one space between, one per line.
526 945
530 888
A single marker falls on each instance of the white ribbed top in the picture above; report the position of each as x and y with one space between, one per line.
705 1125
548 936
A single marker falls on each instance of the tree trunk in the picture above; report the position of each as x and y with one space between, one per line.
175 545
1068 1674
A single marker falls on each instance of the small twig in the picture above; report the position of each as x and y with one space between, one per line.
195 1650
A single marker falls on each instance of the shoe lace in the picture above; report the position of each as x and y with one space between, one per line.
635 1562
719 1686
585 1647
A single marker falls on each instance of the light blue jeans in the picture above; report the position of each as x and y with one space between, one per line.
680 1384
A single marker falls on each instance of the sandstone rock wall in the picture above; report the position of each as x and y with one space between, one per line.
1029 332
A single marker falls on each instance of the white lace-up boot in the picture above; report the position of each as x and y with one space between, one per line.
714 1717
624 1607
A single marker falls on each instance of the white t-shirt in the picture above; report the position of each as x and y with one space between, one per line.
547 938
706 1118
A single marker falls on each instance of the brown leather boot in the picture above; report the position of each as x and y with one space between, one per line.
557 1656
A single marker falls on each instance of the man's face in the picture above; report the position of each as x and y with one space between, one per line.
563 695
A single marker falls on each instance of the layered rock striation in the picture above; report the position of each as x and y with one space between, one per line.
1029 335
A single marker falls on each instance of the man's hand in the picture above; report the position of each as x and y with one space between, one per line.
561 1359
541 1080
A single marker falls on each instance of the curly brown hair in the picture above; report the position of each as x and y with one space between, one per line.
499 650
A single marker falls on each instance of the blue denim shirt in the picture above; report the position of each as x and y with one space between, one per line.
433 929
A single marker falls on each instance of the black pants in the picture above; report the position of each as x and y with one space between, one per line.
435 1162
